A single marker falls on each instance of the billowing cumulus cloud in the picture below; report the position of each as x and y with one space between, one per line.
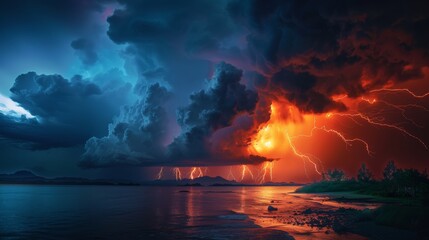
138 135
210 110
65 111
172 38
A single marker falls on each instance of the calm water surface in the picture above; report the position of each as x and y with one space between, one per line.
136 212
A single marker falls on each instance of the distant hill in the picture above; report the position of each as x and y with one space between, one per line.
201 181
210 181
27 177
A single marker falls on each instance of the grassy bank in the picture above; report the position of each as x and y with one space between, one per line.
403 211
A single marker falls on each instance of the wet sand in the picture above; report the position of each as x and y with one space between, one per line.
328 216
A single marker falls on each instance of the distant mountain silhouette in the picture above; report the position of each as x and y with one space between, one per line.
201 181
21 176
27 177
210 181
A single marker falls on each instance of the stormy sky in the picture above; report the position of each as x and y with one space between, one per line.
104 88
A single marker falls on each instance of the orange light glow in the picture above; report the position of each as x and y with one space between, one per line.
292 139
272 139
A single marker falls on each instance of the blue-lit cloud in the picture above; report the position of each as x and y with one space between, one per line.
37 36
139 135
63 112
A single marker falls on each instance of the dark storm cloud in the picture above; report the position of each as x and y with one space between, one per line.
66 111
300 91
302 51
46 18
171 35
192 26
210 110
85 49
70 12
138 135
338 43
36 36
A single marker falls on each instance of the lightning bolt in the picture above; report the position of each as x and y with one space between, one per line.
347 141
374 114
231 175
200 173
381 124
301 155
191 175
177 173
401 107
396 90
267 167
160 173
244 170
195 170
370 101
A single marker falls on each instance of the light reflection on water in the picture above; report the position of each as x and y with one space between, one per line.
109 212
289 204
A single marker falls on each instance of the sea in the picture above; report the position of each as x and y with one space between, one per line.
147 212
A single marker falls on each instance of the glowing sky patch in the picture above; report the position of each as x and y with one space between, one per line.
10 108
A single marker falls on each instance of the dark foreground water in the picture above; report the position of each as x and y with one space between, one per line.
136 212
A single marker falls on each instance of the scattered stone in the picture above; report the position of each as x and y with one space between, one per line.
271 208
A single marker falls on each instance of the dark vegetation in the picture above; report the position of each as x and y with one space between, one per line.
405 193
398 183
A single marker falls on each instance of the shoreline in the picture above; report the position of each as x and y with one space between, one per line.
391 217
